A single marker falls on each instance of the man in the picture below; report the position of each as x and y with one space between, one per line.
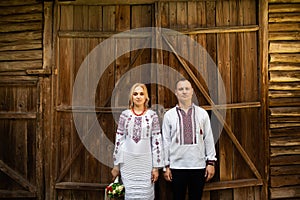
188 144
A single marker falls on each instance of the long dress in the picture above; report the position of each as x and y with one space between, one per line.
138 149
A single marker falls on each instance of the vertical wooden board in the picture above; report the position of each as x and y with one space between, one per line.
250 86
253 137
95 18
122 63
33 165
201 57
206 195
211 40
246 193
165 96
192 23
181 43
224 66
106 86
164 14
137 15
93 174
19 147
173 62
65 58
80 51
65 64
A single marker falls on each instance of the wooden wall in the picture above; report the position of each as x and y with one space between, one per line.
21 52
42 45
284 98
228 33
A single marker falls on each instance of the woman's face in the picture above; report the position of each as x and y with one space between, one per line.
138 96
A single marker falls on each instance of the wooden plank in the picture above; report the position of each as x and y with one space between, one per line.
190 31
285 170
287 76
121 2
274 36
20 65
285 192
284 94
284 111
17 194
284 180
284 67
18 115
285 160
284 86
20 45
224 66
284 47
284 8
18 27
284 17
29 35
279 151
283 1
78 168
278 27
264 84
21 55
16 2
21 18
65 63
285 142
285 58
232 184
13 10
80 186
16 177
94 172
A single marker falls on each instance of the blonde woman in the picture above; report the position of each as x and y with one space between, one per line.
138 146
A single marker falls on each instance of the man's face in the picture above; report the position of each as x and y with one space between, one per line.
184 91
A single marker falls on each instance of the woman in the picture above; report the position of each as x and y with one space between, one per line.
138 146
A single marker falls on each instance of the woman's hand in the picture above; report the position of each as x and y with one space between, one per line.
155 175
115 172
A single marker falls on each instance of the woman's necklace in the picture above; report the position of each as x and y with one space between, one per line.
138 114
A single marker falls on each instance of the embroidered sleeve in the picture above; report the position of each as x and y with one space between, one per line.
166 134
120 137
209 143
157 153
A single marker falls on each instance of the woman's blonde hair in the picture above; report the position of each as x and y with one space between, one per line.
145 94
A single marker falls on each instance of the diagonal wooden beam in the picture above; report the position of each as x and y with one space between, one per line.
17 177
216 112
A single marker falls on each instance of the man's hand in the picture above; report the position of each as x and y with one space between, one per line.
209 172
168 174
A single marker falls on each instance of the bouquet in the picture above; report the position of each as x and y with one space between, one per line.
115 190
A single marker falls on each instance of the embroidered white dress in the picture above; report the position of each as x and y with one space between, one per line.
138 148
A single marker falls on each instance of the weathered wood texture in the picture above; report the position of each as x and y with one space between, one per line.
225 29
41 155
284 98
21 161
21 31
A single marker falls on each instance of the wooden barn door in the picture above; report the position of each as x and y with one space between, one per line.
228 30
79 29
